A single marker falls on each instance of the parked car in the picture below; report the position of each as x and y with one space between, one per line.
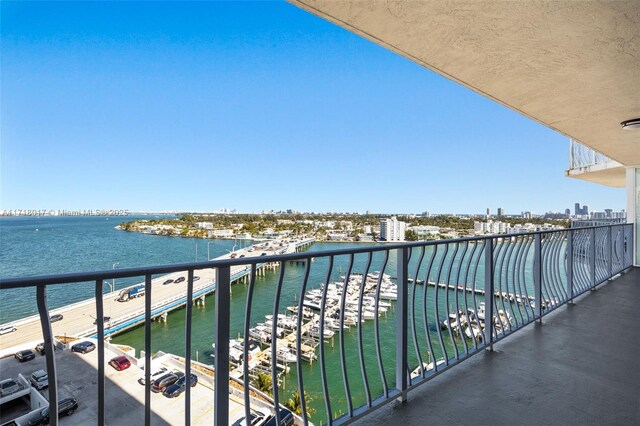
195 278
169 281
40 348
120 363
9 386
154 375
83 347
39 379
233 255
179 386
56 317
161 383
26 355
256 419
286 419
180 279
66 407
8 329
104 319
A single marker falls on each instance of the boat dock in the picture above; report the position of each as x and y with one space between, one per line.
480 292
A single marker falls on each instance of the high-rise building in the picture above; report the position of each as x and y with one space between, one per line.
500 212
488 212
392 229
577 211
567 212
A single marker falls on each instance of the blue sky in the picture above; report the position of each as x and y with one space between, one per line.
253 106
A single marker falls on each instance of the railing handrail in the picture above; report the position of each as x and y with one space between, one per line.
108 274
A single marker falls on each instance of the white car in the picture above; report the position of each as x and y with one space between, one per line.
8 329
9 386
154 375
39 379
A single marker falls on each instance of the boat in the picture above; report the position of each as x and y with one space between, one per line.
425 367
474 331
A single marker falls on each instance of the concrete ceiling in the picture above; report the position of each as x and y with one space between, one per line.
573 66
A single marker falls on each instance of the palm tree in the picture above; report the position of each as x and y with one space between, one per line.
294 404
264 383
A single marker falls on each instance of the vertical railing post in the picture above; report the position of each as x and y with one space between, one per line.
488 293
49 350
610 252
100 341
147 350
570 266
402 323
187 352
592 248
221 385
537 275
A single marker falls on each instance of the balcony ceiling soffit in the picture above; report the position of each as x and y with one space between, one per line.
573 66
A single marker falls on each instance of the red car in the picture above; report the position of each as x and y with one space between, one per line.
120 363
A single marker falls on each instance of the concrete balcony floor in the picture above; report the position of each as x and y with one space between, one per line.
581 367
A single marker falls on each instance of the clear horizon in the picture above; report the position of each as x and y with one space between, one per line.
253 106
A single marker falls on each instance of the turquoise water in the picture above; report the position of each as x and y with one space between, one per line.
53 245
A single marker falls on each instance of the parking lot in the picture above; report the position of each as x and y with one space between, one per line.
124 396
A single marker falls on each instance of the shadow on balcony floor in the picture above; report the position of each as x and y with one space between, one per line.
580 367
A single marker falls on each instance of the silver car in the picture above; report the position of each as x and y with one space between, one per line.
8 329
154 375
39 379
9 386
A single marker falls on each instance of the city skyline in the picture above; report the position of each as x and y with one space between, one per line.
124 212
255 106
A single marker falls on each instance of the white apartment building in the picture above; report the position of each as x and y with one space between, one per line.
221 233
424 231
392 229
490 227
204 225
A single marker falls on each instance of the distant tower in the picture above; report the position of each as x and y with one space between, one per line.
567 212
500 212
488 212
577 211
585 210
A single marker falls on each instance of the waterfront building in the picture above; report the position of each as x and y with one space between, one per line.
392 229
423 232
204 225
221 233
337 236
490 227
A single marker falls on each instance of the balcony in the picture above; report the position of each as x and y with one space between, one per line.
574 369
590 165
394 319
